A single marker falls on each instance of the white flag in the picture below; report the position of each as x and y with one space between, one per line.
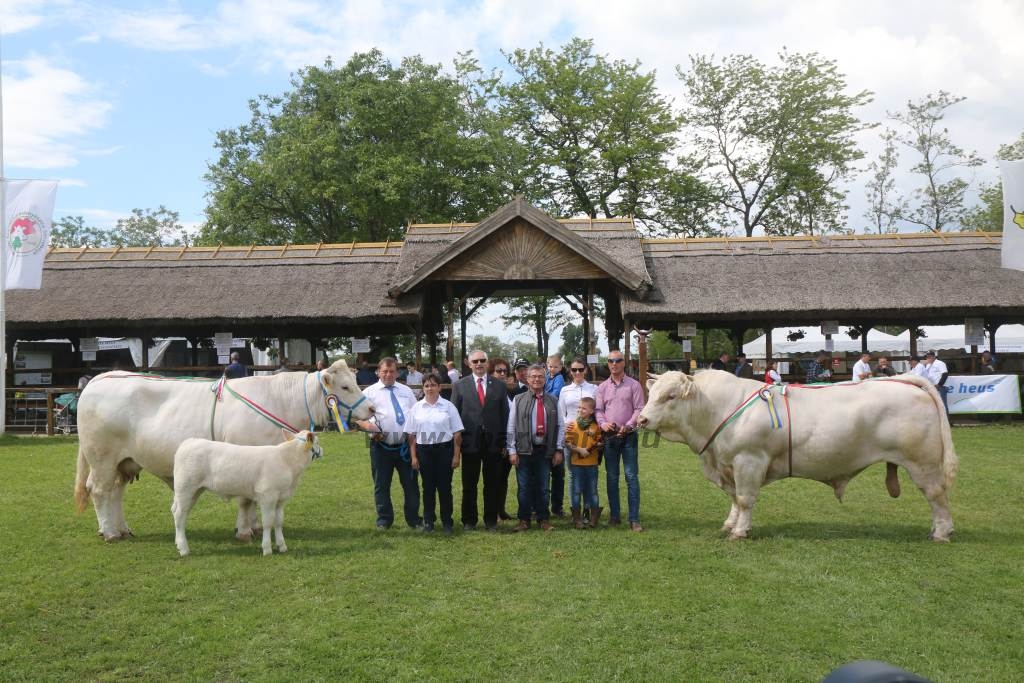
29 216
1013 213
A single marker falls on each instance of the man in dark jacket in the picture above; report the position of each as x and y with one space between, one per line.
482 402
743 368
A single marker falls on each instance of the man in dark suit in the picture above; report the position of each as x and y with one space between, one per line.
482 402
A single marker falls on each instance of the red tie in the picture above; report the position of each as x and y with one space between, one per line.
540 415
480 389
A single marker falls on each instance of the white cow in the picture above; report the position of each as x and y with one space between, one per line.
129 422
829 433
266 475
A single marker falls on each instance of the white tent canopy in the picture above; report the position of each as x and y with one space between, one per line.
813 341
1009 339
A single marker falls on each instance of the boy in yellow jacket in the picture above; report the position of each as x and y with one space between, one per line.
583 441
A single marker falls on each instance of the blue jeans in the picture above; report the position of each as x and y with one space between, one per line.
584 484
625 449
533 475
383 464
436 470
943 392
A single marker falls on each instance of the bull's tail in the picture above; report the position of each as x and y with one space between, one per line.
81 475
950 462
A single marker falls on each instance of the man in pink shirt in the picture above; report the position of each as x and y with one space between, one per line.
620 399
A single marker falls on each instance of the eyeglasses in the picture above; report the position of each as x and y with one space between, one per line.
578 369
478 360
501 371
616 360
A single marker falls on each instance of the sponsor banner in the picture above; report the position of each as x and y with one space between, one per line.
969 394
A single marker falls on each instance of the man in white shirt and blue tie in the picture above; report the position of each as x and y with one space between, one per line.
389 450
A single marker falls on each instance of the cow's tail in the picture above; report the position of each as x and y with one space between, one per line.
81 475
950 462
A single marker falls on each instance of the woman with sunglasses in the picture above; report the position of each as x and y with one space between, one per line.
568 407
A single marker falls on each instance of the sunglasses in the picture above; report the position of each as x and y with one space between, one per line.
616 360
478 360
578 369
501 371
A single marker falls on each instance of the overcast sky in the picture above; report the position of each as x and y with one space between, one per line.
121 101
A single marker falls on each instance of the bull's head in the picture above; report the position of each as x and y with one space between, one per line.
340 381
664 411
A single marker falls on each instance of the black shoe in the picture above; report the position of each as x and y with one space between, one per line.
426 528
504 516
469 527
491 527
558 513
381 526
448 530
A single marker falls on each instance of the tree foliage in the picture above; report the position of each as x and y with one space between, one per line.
777 140
987 215
142 228
885 205
940 201
598 136
351 153
540 315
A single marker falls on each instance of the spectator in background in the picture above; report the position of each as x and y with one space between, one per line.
453 374
917 367
937 375
884 369
720 362
321 364
235 369
819 371
283 367
365 375
771 375
520 367
988 364
414 379
743 368
862 368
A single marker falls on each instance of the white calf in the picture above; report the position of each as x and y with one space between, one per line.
266 475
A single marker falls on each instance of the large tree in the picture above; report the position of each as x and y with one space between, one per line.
597 136
987 215
352 152
885 204
940 201
778 141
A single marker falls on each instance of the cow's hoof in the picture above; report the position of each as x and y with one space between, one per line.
726 528
127 533
267 551
114 538
737 536
183 552
243 536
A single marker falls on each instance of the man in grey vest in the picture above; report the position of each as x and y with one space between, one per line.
536 435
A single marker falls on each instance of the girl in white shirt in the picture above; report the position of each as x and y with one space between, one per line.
434 430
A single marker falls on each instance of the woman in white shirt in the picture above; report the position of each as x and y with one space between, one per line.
434 430
569 408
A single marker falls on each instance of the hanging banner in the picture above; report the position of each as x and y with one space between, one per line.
976 394
1013 214
974 331
29 216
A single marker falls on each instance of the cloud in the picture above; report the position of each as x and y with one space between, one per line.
47 111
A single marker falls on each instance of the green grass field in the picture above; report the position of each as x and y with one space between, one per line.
819 584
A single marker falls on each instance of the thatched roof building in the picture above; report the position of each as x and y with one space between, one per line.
357 289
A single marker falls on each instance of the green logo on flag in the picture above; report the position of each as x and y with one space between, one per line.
25 234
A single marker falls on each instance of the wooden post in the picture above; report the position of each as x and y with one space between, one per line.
419 345
642 359
626 344
591 344
913 339
145 352
767 345
49 413
462 314
449 352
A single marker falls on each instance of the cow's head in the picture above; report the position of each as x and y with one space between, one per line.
340 381
665 409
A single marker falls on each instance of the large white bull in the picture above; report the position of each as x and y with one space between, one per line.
829 433
129 422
